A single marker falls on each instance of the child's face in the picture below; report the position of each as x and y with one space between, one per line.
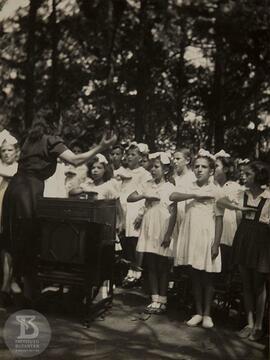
157 171
242 175
180 162
8 154
145 162
133 158
97 171
202 170
116 157
219 170
249 176
77 150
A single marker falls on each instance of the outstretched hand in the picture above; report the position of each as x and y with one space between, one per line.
107 142
247 209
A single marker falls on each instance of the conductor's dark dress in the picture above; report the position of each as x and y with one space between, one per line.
37 163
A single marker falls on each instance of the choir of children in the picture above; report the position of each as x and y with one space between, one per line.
195 213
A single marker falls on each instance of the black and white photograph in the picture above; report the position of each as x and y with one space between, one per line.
135 179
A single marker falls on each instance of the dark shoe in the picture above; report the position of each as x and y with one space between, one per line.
150 309
256 335
162 309
131 282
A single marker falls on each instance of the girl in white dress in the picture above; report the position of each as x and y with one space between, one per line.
183 177
224 177
156 229
134 175
8 167
199 236
102 187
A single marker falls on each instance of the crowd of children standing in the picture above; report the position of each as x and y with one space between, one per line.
206 212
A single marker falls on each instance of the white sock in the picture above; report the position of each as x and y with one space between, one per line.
137 274
155 298
163 299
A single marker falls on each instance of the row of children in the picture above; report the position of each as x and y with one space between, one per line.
216 223
169 211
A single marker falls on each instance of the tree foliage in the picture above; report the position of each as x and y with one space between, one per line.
167 72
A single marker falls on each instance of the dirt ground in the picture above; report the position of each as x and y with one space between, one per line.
123 334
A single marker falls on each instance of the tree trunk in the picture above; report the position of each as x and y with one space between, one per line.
115 12
181 77
216 123
142 75
30 64
54 84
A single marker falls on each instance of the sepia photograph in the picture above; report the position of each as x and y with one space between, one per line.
135 179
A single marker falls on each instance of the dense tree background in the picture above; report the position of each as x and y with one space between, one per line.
167 72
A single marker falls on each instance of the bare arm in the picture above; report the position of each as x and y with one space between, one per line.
176 196
76 191
197 194
135 197
226 203
79 159
232 205
218 233
167 239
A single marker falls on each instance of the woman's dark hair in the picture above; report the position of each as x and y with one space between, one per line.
38 129
228 163
261 172
108 174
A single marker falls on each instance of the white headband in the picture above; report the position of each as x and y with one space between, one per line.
143 148
205 153
222 154
101 158
164 157
6 137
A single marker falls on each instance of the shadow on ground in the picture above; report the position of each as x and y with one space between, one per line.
123 335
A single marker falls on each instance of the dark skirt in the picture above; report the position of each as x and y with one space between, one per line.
20 226
251 246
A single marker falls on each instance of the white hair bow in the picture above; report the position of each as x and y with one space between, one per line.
101 158
5 136
164 157
206 153
243 161
143 148
222 154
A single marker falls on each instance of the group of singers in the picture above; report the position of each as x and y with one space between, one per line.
207 213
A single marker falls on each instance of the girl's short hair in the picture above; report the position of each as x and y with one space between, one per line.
108 174
185 151
211 161
261 172
228 163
